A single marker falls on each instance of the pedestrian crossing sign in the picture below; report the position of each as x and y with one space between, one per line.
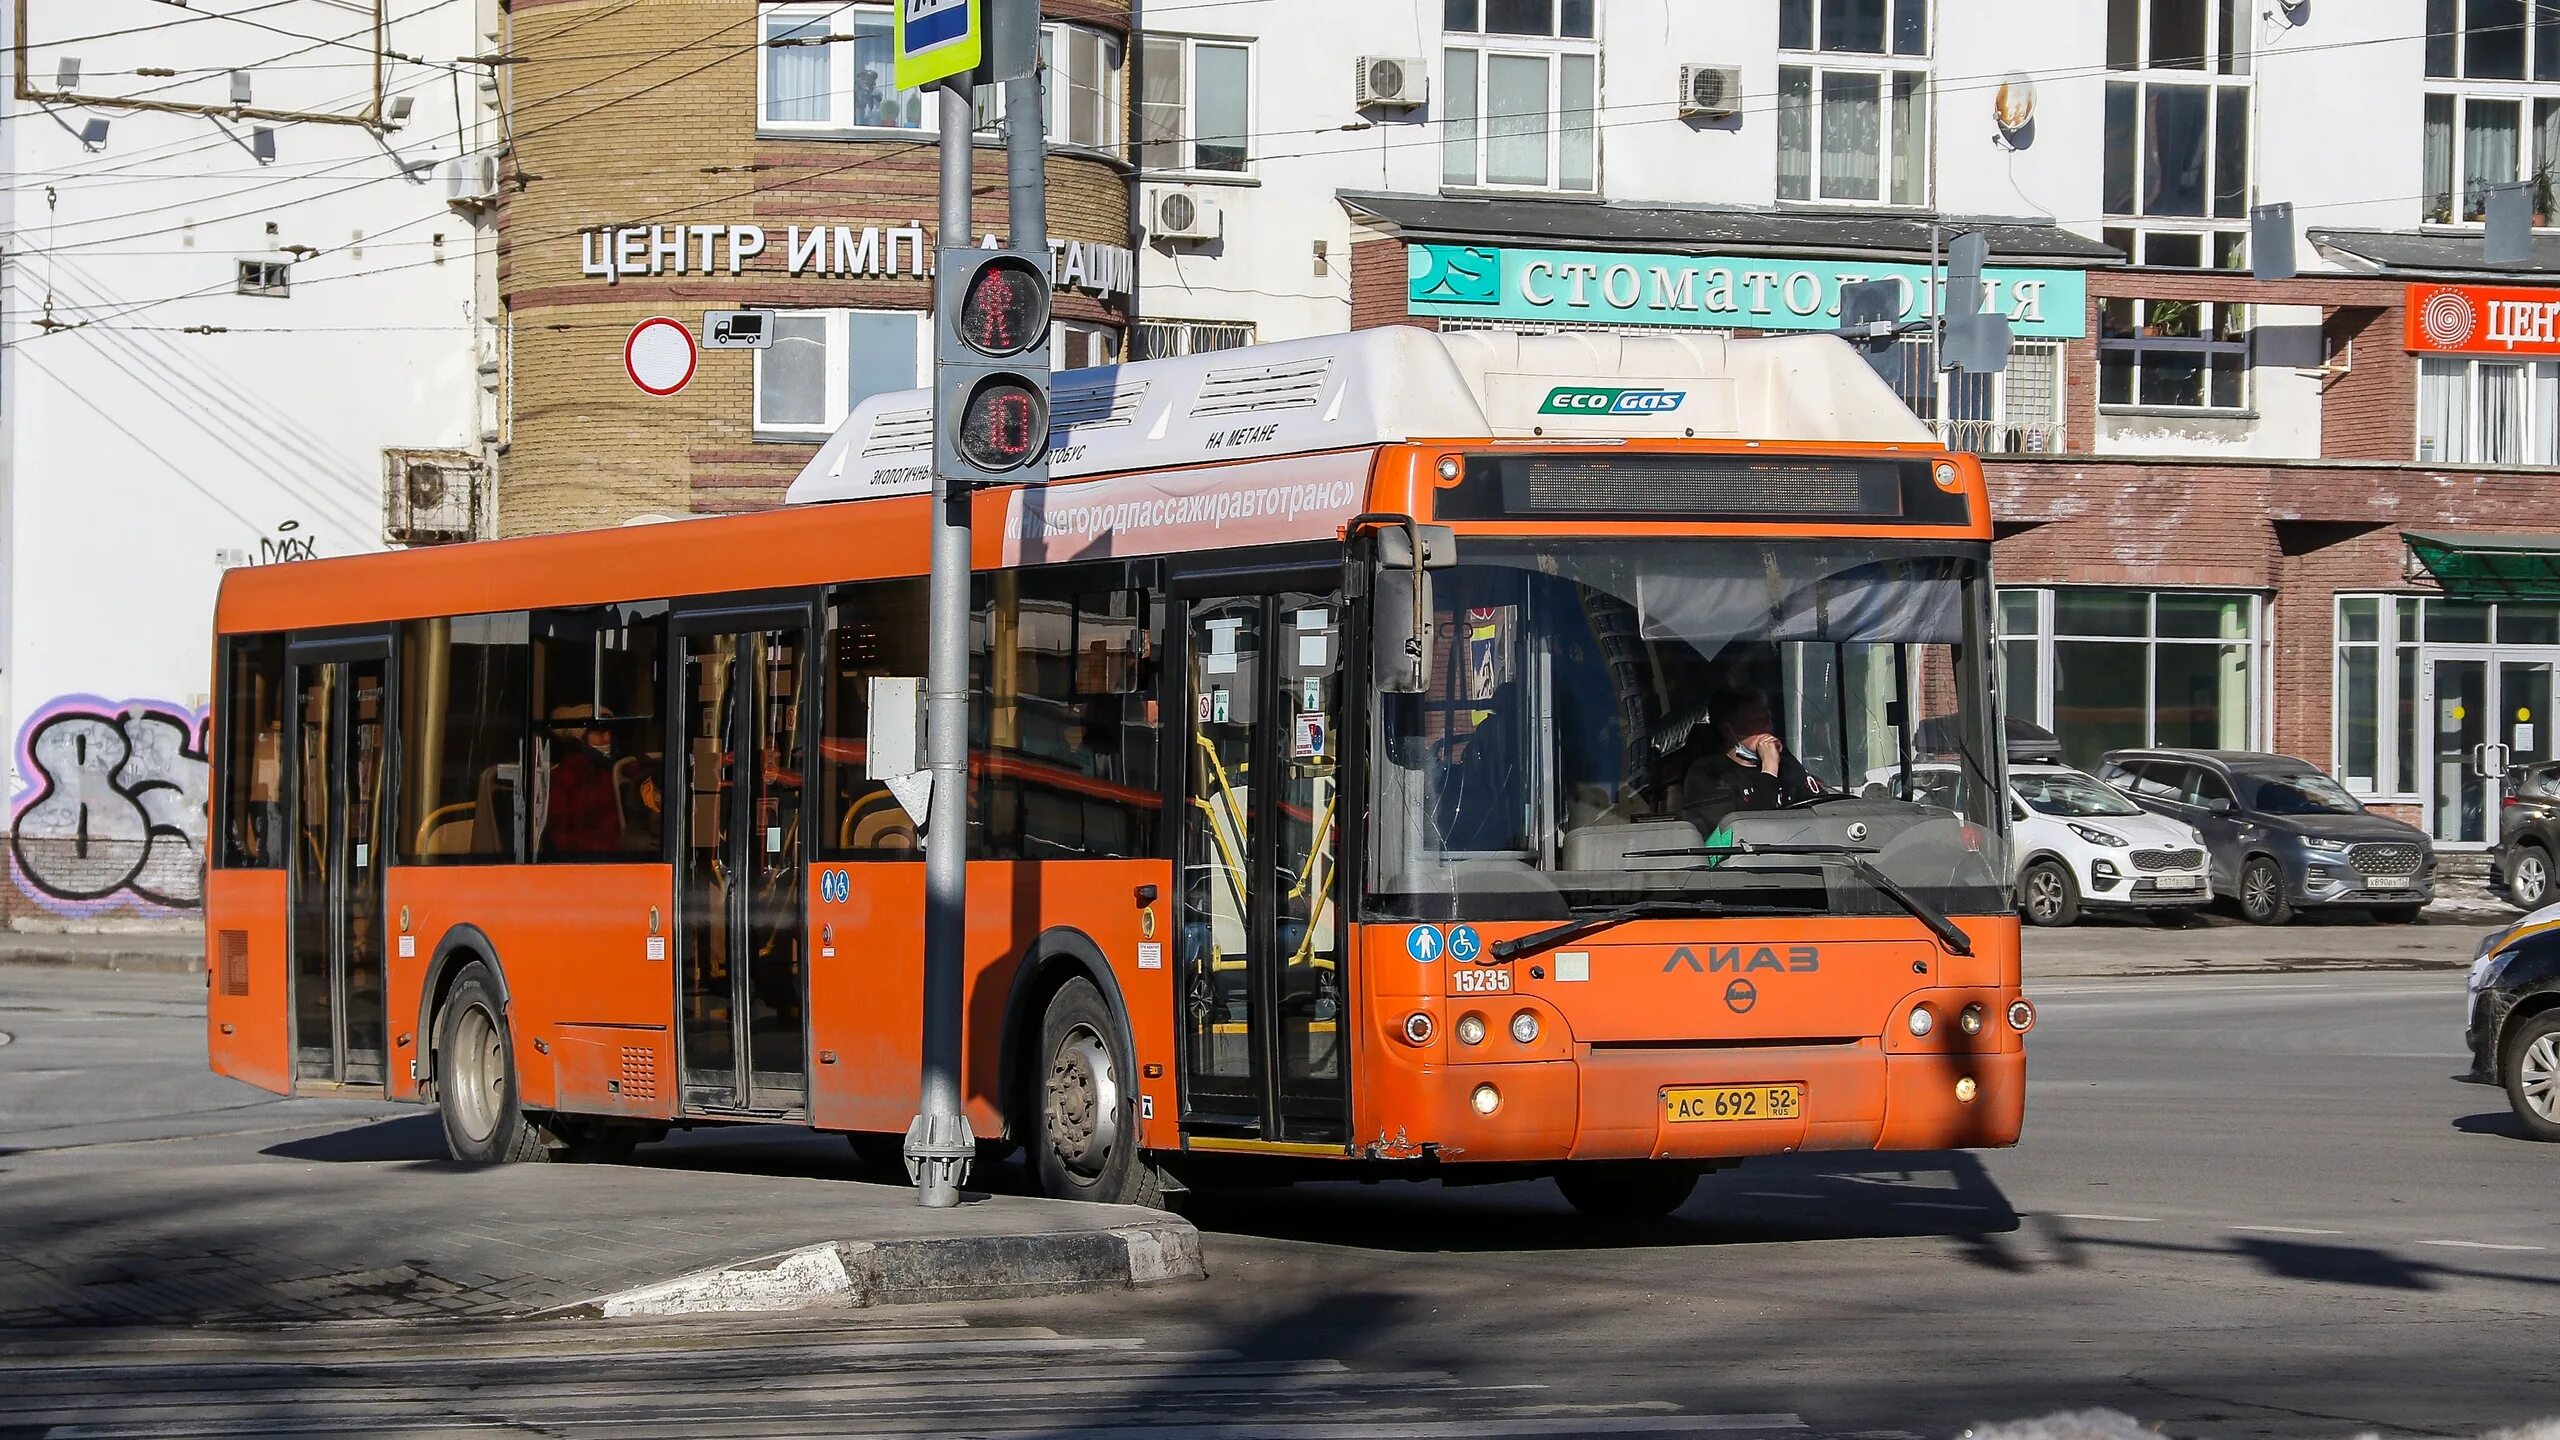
936 39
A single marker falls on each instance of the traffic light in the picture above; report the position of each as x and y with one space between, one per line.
991 367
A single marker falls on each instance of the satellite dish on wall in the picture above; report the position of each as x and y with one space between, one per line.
2013 109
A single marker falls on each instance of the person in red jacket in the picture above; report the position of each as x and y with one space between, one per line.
585 812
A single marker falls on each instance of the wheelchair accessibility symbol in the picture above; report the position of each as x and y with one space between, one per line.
1465 944
835 886
1422 942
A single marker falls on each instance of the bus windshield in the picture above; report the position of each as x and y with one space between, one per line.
1615 721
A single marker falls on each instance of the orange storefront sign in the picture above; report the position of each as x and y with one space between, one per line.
2483 320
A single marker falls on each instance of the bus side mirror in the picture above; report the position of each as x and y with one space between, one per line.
1400 602
1399 646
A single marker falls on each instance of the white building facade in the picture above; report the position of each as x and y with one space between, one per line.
2203 477
242 326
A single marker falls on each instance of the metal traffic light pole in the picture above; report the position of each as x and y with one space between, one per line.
939 1143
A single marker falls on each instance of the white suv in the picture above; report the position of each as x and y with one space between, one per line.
2081 845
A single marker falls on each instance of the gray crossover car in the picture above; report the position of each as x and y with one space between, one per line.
2283 835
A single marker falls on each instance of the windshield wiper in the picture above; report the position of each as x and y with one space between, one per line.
1538 941
1855 858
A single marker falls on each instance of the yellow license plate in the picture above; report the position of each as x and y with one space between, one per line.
1688 1104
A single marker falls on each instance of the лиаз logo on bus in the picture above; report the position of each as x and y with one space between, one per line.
1610 400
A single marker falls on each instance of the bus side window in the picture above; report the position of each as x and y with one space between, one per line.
1068 721
463 686
876 628
252 823
600 733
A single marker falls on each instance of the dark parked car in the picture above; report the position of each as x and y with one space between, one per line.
2514 1034
2528 837
2282 834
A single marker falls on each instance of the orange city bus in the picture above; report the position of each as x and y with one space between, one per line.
1354 788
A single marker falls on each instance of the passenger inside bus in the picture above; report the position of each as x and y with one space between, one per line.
584 805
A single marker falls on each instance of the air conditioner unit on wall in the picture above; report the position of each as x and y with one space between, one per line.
1184 214
1711 92
433 497
471 181
1400 82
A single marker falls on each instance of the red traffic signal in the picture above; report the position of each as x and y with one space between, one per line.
1005 309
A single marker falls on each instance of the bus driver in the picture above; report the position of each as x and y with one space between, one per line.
1747 768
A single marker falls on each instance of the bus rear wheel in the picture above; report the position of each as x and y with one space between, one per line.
484 1119
1084 1144
1626 1189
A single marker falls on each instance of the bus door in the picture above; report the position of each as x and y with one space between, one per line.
341 824
741 771
1262 994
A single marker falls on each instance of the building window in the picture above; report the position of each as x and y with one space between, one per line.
830 69
2016 412
1519 107
2177 138
2489 412
2479 139
1195 105
1082 82
822 363
2173 354
2491 40
272 278
2117 669
1080 345
1851 131
1163 339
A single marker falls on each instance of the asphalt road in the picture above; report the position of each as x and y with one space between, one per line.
2248 1204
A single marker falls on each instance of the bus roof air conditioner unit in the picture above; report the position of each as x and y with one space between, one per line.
1185 215
1398 82
1710 92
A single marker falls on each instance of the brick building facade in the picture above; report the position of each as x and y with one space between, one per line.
731 124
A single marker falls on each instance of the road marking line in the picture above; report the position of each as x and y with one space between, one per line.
2117 1219
2284 1230
2476 1245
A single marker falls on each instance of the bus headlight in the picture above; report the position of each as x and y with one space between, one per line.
1470 1029
1524 1027
1922 1022
1970 1022
2022 1016
1418 1028
1486 1099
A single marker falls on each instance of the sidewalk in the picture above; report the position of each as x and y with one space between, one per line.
162 952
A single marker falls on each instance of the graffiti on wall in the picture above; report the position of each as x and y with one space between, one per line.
111 806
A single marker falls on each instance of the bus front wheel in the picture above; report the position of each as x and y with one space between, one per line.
1085 1106
1626 1189
484 1119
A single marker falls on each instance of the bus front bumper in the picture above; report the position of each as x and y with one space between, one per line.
1617 1104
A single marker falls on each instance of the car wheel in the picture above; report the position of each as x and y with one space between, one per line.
2529 877
1086 1107
2046 895
2397 914
2529 1068
2262 897
484 1120
1625 1190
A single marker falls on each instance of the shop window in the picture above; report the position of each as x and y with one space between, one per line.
1195 105
1520 95
463 702
823 363
2488 412
251 727
2133 668
875 630
2381 669
1161 339
2173 354
1067 724
599 733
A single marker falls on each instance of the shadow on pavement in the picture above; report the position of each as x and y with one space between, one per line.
410 1137
2501 1123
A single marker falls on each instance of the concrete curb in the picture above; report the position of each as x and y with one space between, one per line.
855 1273
146 962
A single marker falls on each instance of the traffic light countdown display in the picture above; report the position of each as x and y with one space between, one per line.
991 367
